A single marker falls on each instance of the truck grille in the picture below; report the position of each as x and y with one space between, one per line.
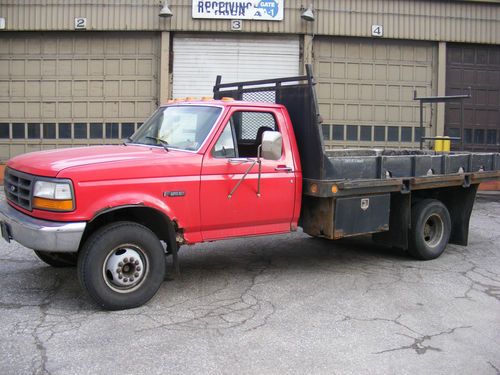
18 188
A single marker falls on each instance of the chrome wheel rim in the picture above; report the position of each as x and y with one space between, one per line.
125 268
433 230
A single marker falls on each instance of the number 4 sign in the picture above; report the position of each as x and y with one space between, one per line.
377 30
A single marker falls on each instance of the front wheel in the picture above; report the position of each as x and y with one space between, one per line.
122 265
430 229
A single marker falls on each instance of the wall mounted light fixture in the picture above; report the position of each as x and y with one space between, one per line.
308 14
165 11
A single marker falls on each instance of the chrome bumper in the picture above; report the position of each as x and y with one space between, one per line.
39 234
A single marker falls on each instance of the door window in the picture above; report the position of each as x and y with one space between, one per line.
249 127
224 148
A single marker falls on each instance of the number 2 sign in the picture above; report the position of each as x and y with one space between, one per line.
80 23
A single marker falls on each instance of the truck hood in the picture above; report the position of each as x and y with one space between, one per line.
52 163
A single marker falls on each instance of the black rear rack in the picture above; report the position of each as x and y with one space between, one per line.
297 94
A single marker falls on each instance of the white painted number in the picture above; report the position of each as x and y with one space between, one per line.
377 30
80 23
236 25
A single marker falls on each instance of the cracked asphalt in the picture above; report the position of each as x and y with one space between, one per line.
272 305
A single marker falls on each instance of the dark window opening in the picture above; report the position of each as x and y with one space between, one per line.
326 132
96 130
80 129
405 134
112 130
18 131
352 133
338 132
366 133
49 130
127 129
379 133
393 134
418 134
64 131
491 136
4 130
34 131
479 136
468 136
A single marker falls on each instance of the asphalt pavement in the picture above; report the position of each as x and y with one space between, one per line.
286 304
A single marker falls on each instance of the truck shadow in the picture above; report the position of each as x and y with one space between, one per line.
285 253
34 283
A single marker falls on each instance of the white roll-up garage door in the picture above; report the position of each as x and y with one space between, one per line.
198 60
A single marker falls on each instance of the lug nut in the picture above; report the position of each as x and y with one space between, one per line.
125 260
132 259
131 279
136 274
138 268
118 270
120 264
136 262
125 280
120 276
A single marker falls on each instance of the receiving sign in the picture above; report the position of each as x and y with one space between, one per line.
263 10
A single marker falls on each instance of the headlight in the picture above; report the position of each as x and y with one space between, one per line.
53 196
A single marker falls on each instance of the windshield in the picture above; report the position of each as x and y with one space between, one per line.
179 127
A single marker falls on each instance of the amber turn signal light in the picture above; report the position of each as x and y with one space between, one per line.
52 204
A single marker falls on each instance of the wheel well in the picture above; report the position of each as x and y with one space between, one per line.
459 202
152 219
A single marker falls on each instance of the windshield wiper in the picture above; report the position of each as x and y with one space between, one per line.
161 141
127 141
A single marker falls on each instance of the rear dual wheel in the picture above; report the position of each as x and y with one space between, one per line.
430 229
122 265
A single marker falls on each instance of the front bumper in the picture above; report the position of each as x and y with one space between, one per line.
39 234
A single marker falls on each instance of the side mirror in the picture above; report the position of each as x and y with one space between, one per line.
272 145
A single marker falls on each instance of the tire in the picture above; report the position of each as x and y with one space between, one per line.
430 229
121 266
58 260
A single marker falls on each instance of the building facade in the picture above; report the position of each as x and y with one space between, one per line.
78 72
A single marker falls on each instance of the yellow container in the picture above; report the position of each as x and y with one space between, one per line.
446 144
442 144
438 145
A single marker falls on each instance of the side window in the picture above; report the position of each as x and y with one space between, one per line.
249 128
252 122
224 148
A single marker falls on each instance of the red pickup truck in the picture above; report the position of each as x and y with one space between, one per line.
205 170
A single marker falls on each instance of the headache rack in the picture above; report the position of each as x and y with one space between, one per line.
297 94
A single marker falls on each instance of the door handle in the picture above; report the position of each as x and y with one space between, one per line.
283 168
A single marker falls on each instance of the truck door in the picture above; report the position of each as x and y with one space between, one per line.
228 210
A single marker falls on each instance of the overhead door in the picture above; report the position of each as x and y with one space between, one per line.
365 90
65 89
198 60
477 67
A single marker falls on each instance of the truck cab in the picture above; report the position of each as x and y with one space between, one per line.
195 171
